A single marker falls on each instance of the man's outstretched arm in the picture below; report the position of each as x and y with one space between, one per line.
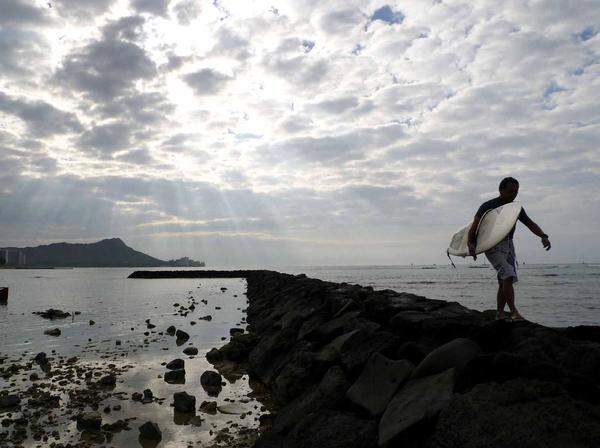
531 225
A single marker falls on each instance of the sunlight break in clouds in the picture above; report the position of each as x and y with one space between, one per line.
338 132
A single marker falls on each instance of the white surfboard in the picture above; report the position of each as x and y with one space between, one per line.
493 228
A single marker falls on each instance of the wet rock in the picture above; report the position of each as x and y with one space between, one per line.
171 330
190 351
207 318
92 322
150 430
456 353
148 396
176 376
89 421
235 330
378 383
182 335
214 355
7 401
52 314
176 364
53 332
108 381
231 408
419 400
136 396
211 382
183 402
41 358
209 407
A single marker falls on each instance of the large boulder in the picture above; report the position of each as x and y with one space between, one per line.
378 383
418 401
89 421
211 382
456 353
150 431
176 364
176 376
517 413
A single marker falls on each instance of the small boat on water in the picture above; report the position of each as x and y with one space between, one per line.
3 295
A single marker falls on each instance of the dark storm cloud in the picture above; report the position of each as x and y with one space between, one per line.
41 118
157 7
207 81
106 68
18 12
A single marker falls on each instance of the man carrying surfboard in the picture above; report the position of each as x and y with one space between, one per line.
502 256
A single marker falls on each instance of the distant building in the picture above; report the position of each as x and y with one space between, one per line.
14 257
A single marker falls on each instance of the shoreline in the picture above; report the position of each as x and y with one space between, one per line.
350 366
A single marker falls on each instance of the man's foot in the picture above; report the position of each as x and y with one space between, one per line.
500 315
516 317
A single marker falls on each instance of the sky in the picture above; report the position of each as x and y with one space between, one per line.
298 132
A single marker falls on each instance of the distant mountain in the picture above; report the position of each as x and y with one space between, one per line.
111 252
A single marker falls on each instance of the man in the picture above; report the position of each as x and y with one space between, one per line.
502 256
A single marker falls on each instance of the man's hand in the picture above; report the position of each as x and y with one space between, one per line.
546 243
471 247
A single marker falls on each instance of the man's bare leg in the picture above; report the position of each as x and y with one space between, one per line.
509 297
500 302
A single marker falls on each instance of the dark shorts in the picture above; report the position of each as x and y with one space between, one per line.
502 257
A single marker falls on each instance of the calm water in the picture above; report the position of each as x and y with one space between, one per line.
120 307
553 295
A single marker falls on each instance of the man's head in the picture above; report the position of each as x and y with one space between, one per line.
509 188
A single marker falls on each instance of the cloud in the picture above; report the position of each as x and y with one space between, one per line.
186 11
341 21
17 47
42 119
157 7
106 139
82 9
18 12
207 81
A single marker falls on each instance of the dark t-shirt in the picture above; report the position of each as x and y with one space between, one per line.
497 202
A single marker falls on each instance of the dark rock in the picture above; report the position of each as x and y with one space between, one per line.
148 396
214 355
92 322
171 330
52 314
136 396
108 381
53 332
182 335
191 351
89 421
176 364
207 318
211 382
233 331
209 407
420 399
41 358
183 402
378 383
151 431
176 376
456 353
533 414
7 401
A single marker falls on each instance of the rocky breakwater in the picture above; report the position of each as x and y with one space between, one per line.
350 366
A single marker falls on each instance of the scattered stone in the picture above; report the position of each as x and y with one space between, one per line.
53 332
8 401
171 330
378 383
182 335
150 430
108 381
209 407
89 421
190 351
117 342
235 330
92 322
148 396
52 314
41 358
183 402
211 382
214 355
176 376
136 396
207 318
176 364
